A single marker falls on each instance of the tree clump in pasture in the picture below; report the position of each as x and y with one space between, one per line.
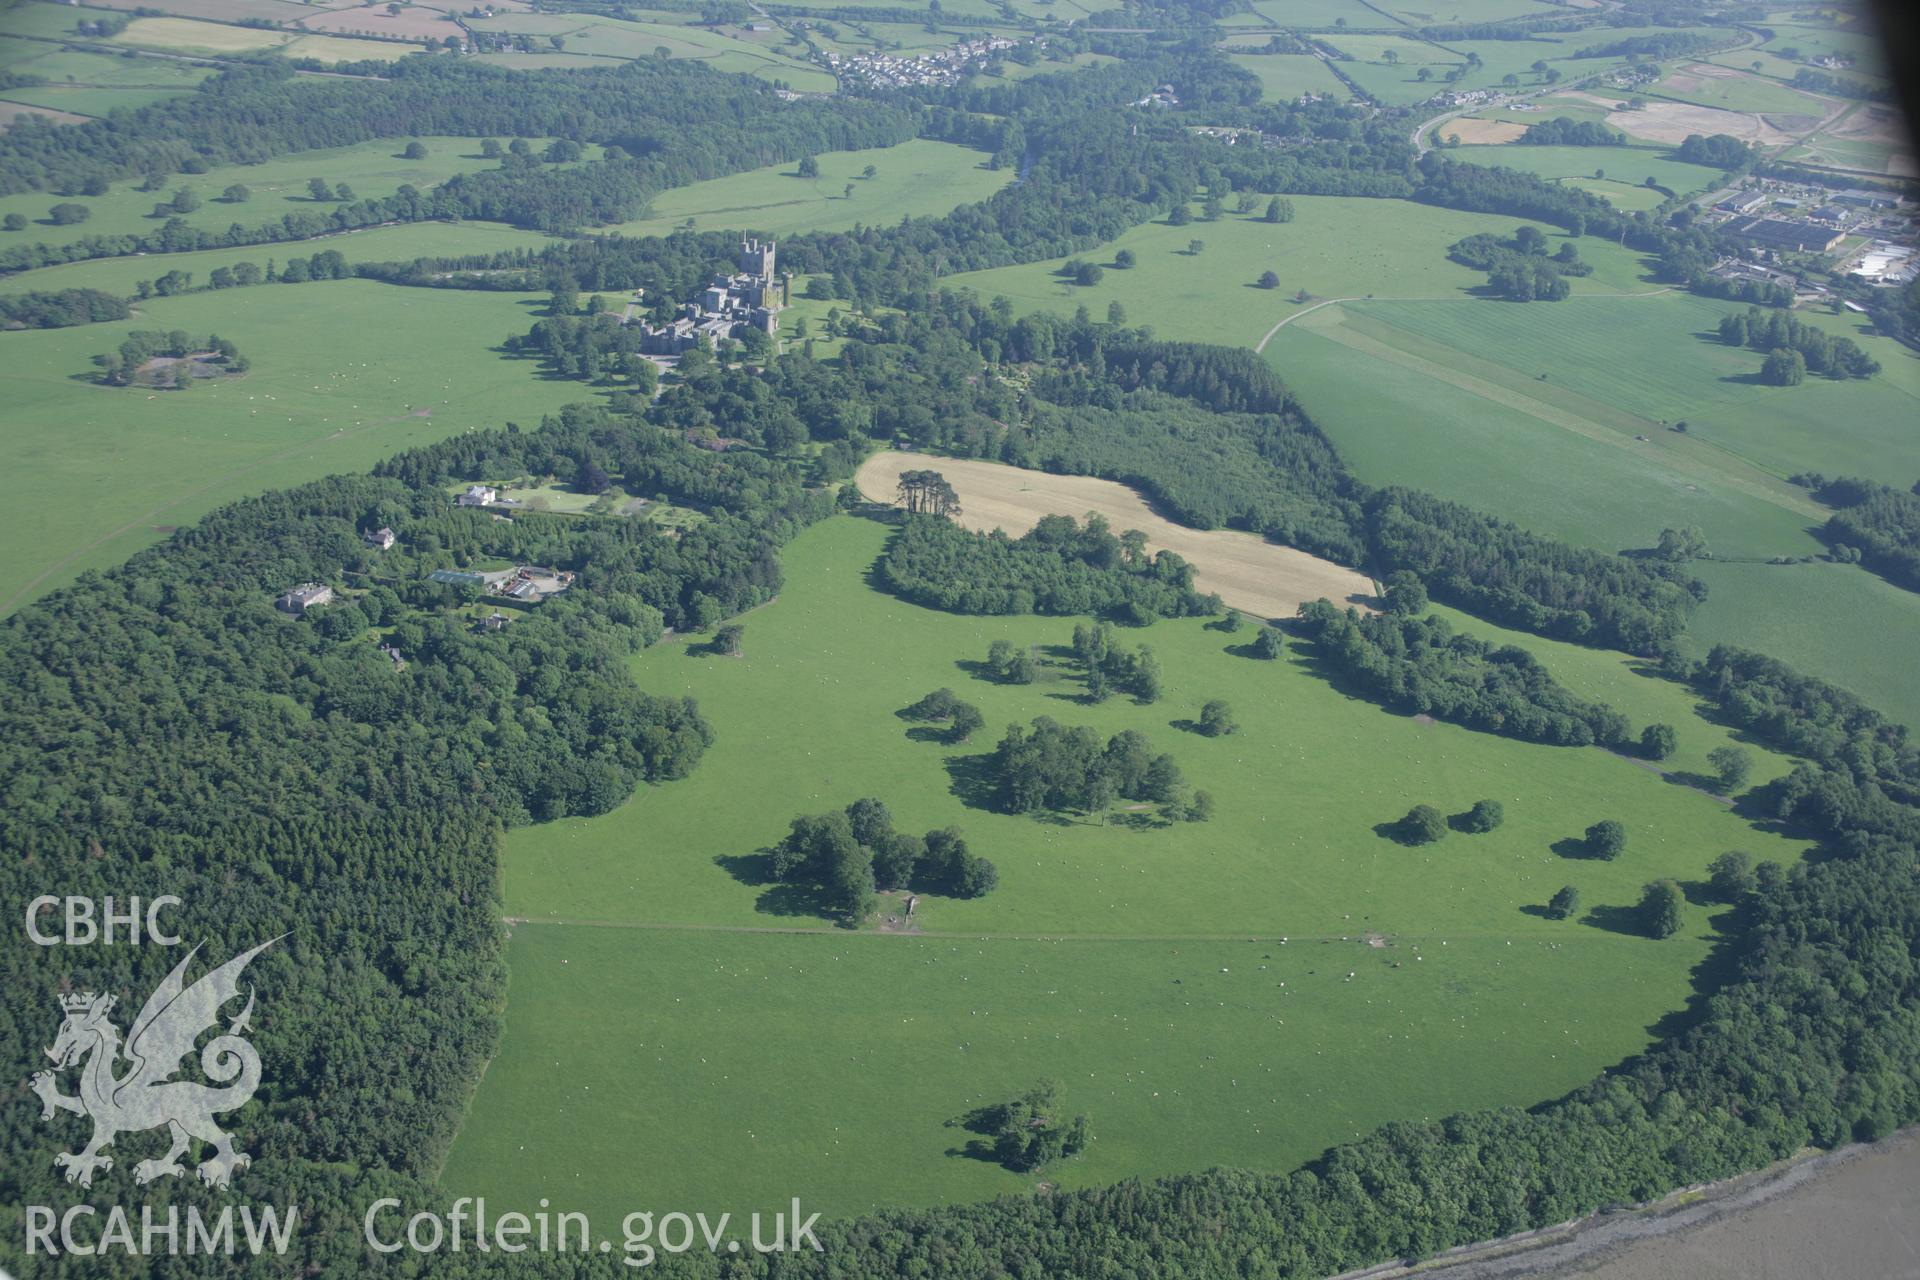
1051 767
1029 1132
849 854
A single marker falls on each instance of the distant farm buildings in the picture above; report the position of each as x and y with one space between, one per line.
479 495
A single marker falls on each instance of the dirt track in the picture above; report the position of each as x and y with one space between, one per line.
1249 572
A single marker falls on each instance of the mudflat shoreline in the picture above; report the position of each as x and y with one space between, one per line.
1851 1214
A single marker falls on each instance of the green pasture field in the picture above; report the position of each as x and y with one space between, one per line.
917 178
345 372
278 186
1415 410
220 10
1426 13
1319 15
60 66
1741 91
401 243
1623 166
1865 154
1336 247
655 1006
1014 71
88 100
1680 370
603 37
190 35
33 18
1835 621
1868 53
1285 76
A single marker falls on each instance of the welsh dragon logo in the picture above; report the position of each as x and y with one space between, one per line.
145 1097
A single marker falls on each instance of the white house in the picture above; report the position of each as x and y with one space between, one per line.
478 495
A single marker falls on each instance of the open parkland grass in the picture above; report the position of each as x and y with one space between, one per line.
668 1044
914 179
278 187
345 372
1335 247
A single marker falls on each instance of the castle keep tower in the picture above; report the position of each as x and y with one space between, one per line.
756 260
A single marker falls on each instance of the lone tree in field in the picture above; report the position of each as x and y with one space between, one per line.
1731 876
1732 764
1606 840
809 167
1269 280
965 723
1660 909
1268 644
1483 817
1423 824
1200 808
1564 903
727 641
416 150
928 493
1216 719
1658 741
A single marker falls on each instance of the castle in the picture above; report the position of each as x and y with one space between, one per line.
750 298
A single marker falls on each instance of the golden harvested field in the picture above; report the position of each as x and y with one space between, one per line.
1247 571
1487 131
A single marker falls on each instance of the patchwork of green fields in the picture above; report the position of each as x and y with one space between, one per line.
769 1060
594 36
277 187
920 178
345 373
